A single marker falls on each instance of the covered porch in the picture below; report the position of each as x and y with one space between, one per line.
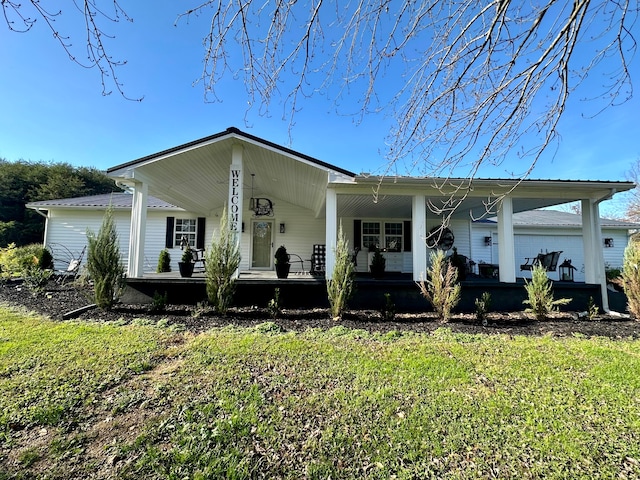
307 200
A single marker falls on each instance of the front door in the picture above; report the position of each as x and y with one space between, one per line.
262 244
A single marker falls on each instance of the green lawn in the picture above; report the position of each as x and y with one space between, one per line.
80 400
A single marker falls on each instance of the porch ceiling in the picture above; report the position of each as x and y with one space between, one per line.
196 177
393 197
398 206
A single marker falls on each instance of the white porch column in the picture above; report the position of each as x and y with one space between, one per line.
236 194
135 267
331 230
506 248
593 254
418 235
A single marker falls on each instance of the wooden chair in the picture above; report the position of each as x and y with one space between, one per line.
199 255
318 259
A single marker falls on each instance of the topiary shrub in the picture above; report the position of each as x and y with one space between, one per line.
631 277
45 259
222 262
341 284
103 263
483 304
540 294
164 262
441 288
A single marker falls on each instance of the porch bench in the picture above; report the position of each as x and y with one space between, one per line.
549 261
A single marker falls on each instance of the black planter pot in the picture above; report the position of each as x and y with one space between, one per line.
282 270
376 273
186 268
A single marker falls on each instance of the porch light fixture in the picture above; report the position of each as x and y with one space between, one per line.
488 241
252 200
282 228
608 242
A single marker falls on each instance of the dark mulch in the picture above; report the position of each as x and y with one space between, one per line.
58 300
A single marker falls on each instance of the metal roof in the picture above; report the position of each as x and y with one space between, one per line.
556 218
117 200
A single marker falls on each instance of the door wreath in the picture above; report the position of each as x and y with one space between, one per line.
440 237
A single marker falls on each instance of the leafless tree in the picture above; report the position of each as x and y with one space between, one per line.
475 78
468 83
92 15
633 203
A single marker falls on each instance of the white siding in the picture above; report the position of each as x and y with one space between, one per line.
529 242
67 234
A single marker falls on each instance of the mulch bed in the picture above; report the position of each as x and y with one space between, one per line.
58 300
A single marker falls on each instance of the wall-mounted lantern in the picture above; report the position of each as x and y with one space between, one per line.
282 229
608 242
488 241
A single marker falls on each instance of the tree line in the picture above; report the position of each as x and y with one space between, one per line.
23 181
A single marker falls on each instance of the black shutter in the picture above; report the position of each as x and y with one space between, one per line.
357 234
407 235
168 242
200 233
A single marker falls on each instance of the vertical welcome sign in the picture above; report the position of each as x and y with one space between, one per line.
235 189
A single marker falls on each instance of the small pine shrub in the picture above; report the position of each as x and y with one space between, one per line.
388 311
540 294
45 259
36 278
631 277
222 262
483 304
103 263
340 286
274 307
164 262
200 309
592 309
159 302
441 288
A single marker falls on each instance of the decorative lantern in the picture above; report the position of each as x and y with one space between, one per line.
566 271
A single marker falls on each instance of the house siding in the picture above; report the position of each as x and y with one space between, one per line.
67 234
529 242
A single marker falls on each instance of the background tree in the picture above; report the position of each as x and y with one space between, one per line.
23 182
633 203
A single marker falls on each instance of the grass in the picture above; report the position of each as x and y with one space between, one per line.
144 402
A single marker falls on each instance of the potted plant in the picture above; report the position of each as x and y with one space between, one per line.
186 265
378 264
282 262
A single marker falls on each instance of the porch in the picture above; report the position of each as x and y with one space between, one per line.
307 291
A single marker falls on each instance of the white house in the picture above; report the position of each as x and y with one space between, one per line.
277 196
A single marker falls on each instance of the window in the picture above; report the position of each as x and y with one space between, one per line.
393 236
390 239
370 235
185 228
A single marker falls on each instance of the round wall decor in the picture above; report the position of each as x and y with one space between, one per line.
440 237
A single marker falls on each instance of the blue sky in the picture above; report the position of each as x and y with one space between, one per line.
53 110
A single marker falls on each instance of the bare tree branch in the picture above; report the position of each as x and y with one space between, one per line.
22 18
476 79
